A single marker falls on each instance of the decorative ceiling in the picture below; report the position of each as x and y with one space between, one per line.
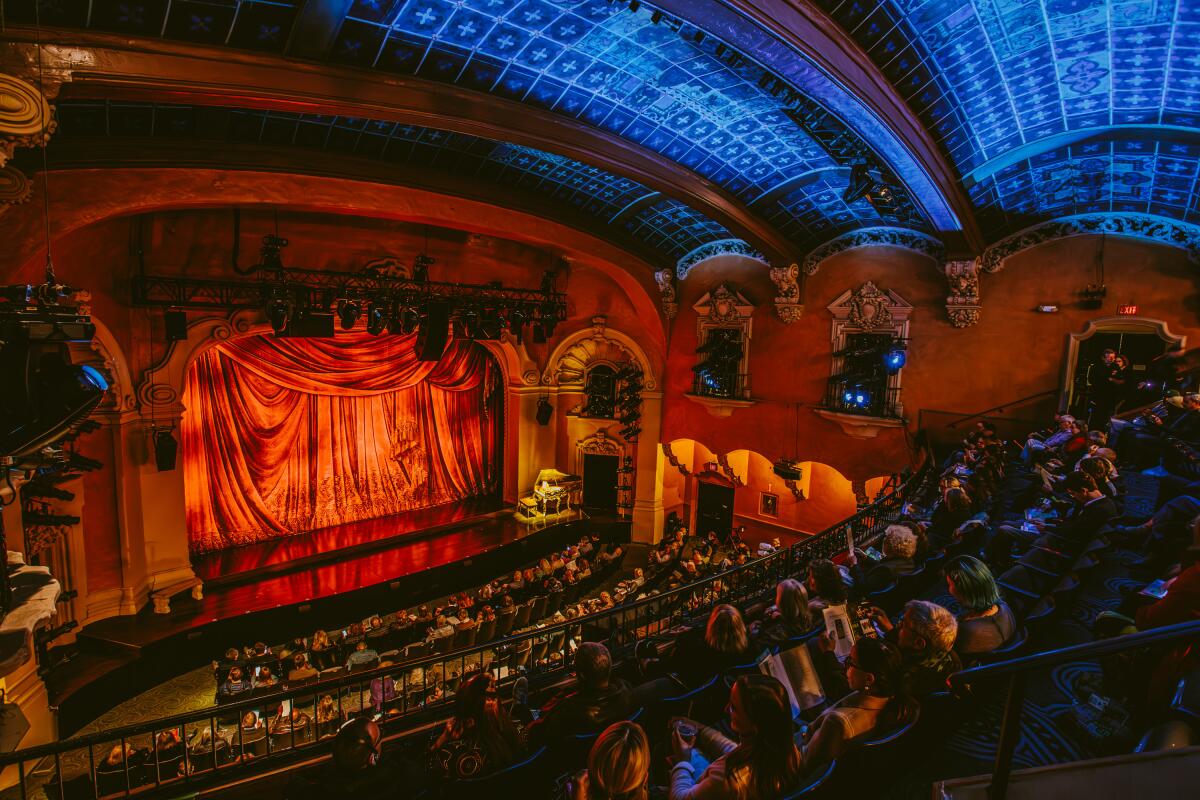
1040 108
664 229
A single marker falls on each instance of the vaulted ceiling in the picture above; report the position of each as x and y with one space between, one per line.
679 127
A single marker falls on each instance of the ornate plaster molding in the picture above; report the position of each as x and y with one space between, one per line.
161 389
724 305
1136 226
727 469
787 298
26 120
724 247
600 443
673 460
962 304
794 488
666 287
916 241
14 186
569 368
857 426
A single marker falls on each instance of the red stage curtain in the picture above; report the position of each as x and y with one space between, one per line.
282 436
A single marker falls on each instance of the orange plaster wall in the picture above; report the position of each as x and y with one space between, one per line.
828 499
101 528
1012 353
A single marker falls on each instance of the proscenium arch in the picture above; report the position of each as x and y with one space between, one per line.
99 195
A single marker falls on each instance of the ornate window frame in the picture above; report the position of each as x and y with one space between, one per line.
724 307
867 309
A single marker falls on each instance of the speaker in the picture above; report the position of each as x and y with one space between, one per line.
433 333
788 470
545 412
175 323
165 449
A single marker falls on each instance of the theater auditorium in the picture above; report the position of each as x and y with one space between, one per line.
599 399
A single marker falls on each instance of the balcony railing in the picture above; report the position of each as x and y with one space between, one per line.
730 387
421 688
846 398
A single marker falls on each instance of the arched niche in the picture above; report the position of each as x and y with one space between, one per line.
1120 324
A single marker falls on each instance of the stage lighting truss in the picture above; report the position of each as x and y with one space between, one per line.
394 303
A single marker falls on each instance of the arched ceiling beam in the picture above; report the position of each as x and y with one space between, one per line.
858 92
101 66
1108 133
99 194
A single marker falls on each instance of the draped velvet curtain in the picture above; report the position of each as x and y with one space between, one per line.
282 436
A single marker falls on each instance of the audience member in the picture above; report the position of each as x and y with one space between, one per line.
480 738
899 547
618 766
925 635
361 656
596 700
358 769
724 643
986 621
789 618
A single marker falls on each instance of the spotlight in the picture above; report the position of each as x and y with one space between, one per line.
348 312
490 324
516 323
279 311
410 318
895 359
376 319
861 184
539 333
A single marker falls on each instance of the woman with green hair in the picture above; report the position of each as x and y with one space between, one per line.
986 621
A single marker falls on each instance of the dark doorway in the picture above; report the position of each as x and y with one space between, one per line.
714 511
600 482
1139 348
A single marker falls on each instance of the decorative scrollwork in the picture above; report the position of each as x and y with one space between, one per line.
787 299
1137 226
666 287
673 460
724 247
867 237
600 443
26 118
869 308
14 186
530 377
962 304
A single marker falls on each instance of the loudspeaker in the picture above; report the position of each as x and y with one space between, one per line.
175 323
165 450
433 333
545 412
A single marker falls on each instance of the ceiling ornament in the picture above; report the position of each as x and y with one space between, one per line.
963 304
787 298
874 237
725 247
665 278
1135 226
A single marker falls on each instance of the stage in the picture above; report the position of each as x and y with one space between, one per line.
286 588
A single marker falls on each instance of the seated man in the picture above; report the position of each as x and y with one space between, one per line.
597 700
1093 511
358 769
362 655
899 547
925 636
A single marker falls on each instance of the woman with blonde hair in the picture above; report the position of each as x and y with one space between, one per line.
618 766
789 618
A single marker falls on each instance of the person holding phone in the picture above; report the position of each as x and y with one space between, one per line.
899 548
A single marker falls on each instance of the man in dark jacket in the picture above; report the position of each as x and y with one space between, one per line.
358 769
1093 511
597 700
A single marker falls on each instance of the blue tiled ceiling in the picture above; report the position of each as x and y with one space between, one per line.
623 67
665 229
1041 106
1048 106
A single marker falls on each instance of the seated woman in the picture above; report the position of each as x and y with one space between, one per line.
110 771
205 749
321 652
874 703
480 738
235 683
952 512
826 585
284 724
618 766
899 547
765 762
986 621
329 717
788 618
264 678
301 670
251 722
723 644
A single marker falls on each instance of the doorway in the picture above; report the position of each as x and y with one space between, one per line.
714 509
600 482
1139 340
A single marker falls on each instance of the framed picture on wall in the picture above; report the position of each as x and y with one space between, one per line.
768 504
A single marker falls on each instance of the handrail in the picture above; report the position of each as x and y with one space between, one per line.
644 613
1001 407
1017 670
1103 647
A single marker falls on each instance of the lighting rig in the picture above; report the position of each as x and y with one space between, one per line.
306 302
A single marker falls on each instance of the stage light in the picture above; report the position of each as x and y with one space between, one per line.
279 311
349 312
545 412
861 184
166 448
490 324
45 396
895 359
410 318
516 323
539 333
376 319
395 321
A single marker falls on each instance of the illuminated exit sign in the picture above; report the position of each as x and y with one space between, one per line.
1127 311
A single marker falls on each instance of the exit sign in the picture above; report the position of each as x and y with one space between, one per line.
1127 311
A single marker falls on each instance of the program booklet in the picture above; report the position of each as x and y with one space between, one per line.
794 669
837 622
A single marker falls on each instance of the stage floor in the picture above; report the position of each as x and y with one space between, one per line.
287 554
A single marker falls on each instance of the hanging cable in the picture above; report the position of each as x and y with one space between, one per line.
37 27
